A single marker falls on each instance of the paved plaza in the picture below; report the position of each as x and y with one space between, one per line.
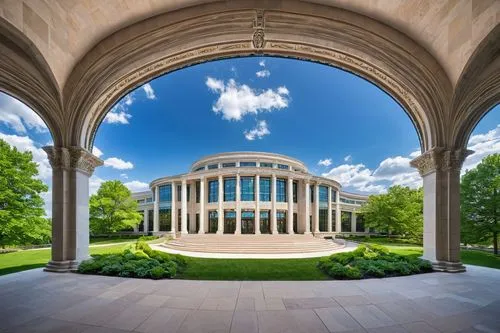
37 301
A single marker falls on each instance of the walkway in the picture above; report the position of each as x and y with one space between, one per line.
35 301
254 246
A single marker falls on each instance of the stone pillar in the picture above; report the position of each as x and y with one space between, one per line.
71 170
329 227
146 220
338 214
156 211
440 170
173 214
307 210
316 209
220 211
238 205
257 204
274 223
184 229
202 206
353 221
289 215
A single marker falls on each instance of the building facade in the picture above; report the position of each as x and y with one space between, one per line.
248 193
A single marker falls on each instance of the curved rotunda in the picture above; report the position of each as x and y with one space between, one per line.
248 193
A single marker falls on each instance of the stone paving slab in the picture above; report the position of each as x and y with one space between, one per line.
37 301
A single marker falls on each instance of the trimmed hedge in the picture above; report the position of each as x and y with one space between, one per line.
371 261
138 261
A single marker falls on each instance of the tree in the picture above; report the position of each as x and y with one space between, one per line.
22 218
112 208
480 202
399 211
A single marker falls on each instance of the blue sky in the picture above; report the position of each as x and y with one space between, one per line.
340 125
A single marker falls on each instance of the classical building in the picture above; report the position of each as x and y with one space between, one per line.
248 193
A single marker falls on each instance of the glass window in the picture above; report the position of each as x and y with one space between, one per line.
150 199
213 191
150 220
165 193
323 194
179 192
229 221
283 166
199 169
265 224
323 220
248 164
229 165
334 220
197 191
140 228
165 219
281 190
295 188
334 195
346 221
213 221
360 223
311 194
230 189
247 188
141 201
212 166
266 165
188 191
281 221
265 189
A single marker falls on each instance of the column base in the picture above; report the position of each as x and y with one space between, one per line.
307 232
449 267
219 232
201 232
63 266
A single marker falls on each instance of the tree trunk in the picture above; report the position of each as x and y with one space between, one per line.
495 243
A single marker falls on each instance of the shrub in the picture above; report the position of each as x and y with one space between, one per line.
371 261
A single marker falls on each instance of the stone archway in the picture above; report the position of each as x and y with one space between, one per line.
334 36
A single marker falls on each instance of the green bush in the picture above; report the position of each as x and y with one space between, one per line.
139 261
371 261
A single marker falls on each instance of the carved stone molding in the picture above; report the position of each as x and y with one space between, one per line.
441 159
72 158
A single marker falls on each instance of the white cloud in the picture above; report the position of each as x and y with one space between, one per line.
18 116
94 184
119 113
118 163
148 89
263 73
235 101
482 145
348 158
259 131
262 63
326 162
124 175
24 143
137 186
415 154
97 152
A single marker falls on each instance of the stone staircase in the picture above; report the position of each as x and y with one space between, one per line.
252 244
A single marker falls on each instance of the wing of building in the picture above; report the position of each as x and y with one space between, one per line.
248 193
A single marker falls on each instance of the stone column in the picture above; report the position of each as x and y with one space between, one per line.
156 211
202 206
289 215
173 215
329 227
274 224
238 205
257 204
338 214
220 211
440 170
146 220
316 208
353 221
307 210
184 229
71 170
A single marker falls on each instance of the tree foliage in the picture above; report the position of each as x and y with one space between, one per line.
112 209
398 212
480 202
22 218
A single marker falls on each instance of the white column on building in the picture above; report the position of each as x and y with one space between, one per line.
184 229
307 211
173 211
353 221
257 204
338 214
329 209
156 212
146 220
316 208
274 224
201 230
220 211
238 205
289 215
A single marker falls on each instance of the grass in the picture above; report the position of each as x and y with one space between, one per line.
113 239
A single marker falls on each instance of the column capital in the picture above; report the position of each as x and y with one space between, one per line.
439 158
72 158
